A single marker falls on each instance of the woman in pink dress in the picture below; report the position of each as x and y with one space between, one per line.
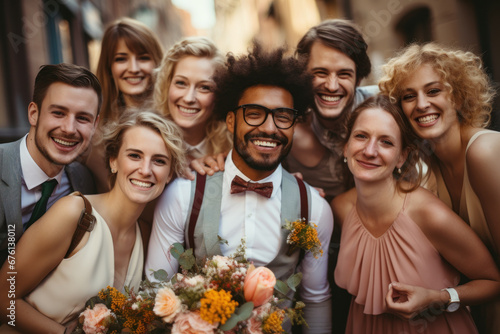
402 249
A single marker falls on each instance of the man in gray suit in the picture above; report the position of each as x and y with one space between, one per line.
63 117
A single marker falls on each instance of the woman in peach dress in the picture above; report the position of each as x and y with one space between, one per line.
402 249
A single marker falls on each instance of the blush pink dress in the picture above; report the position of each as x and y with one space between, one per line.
367 265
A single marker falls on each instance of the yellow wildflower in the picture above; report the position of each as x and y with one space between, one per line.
141 328
304 235
118 299
272 325
217 306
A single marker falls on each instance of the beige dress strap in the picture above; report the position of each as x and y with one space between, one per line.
470 206
471 211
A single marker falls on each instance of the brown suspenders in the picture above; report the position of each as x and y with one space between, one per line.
198 201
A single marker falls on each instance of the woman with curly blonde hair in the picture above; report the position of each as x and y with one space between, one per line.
184 92
447 98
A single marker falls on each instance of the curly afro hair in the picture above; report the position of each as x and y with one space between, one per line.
261 68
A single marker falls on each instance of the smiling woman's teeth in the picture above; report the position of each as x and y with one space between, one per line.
427 119
188 111
134 80
265 143
65 143
142 184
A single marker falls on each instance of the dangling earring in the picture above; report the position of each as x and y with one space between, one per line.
345 160
399 170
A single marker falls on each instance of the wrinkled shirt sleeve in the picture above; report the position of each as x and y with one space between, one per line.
315 289
168 228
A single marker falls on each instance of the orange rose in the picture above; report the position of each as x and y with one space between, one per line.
167 305
95 319
192 323
259 285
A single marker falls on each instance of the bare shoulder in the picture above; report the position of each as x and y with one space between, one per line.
306 148
484 148
343 204
482 161
53 231
303 137
429 212
67 209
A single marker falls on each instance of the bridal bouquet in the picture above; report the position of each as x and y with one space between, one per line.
224 294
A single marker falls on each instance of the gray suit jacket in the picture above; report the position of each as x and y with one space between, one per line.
11 225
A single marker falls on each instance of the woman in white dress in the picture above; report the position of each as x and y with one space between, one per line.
143 151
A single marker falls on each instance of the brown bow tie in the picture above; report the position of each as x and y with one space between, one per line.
239 185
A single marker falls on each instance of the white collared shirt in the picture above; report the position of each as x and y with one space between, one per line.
245 215
197 151
32 178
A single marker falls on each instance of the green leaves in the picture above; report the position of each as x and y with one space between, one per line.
242 313
185 257
161 275
176 250
291 284
294 281
281 287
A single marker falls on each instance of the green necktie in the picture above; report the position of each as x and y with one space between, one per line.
41 205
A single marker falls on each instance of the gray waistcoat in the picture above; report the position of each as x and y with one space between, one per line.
206 241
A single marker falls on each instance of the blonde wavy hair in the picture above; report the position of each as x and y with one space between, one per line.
218 137
461 72
139 39
167 129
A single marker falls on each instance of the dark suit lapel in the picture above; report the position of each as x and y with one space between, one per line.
80 178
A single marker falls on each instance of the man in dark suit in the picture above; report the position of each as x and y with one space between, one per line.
41 167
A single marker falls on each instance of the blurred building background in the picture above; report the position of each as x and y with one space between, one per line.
37 32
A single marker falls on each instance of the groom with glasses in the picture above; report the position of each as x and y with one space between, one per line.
260 95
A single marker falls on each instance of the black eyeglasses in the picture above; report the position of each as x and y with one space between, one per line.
256 115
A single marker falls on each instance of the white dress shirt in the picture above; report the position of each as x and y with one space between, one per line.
32 178
248 216
197 151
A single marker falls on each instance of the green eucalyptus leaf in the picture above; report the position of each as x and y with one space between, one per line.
161 275
242 313
187 259
229 324
176 250
294 280
281 286
245 311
